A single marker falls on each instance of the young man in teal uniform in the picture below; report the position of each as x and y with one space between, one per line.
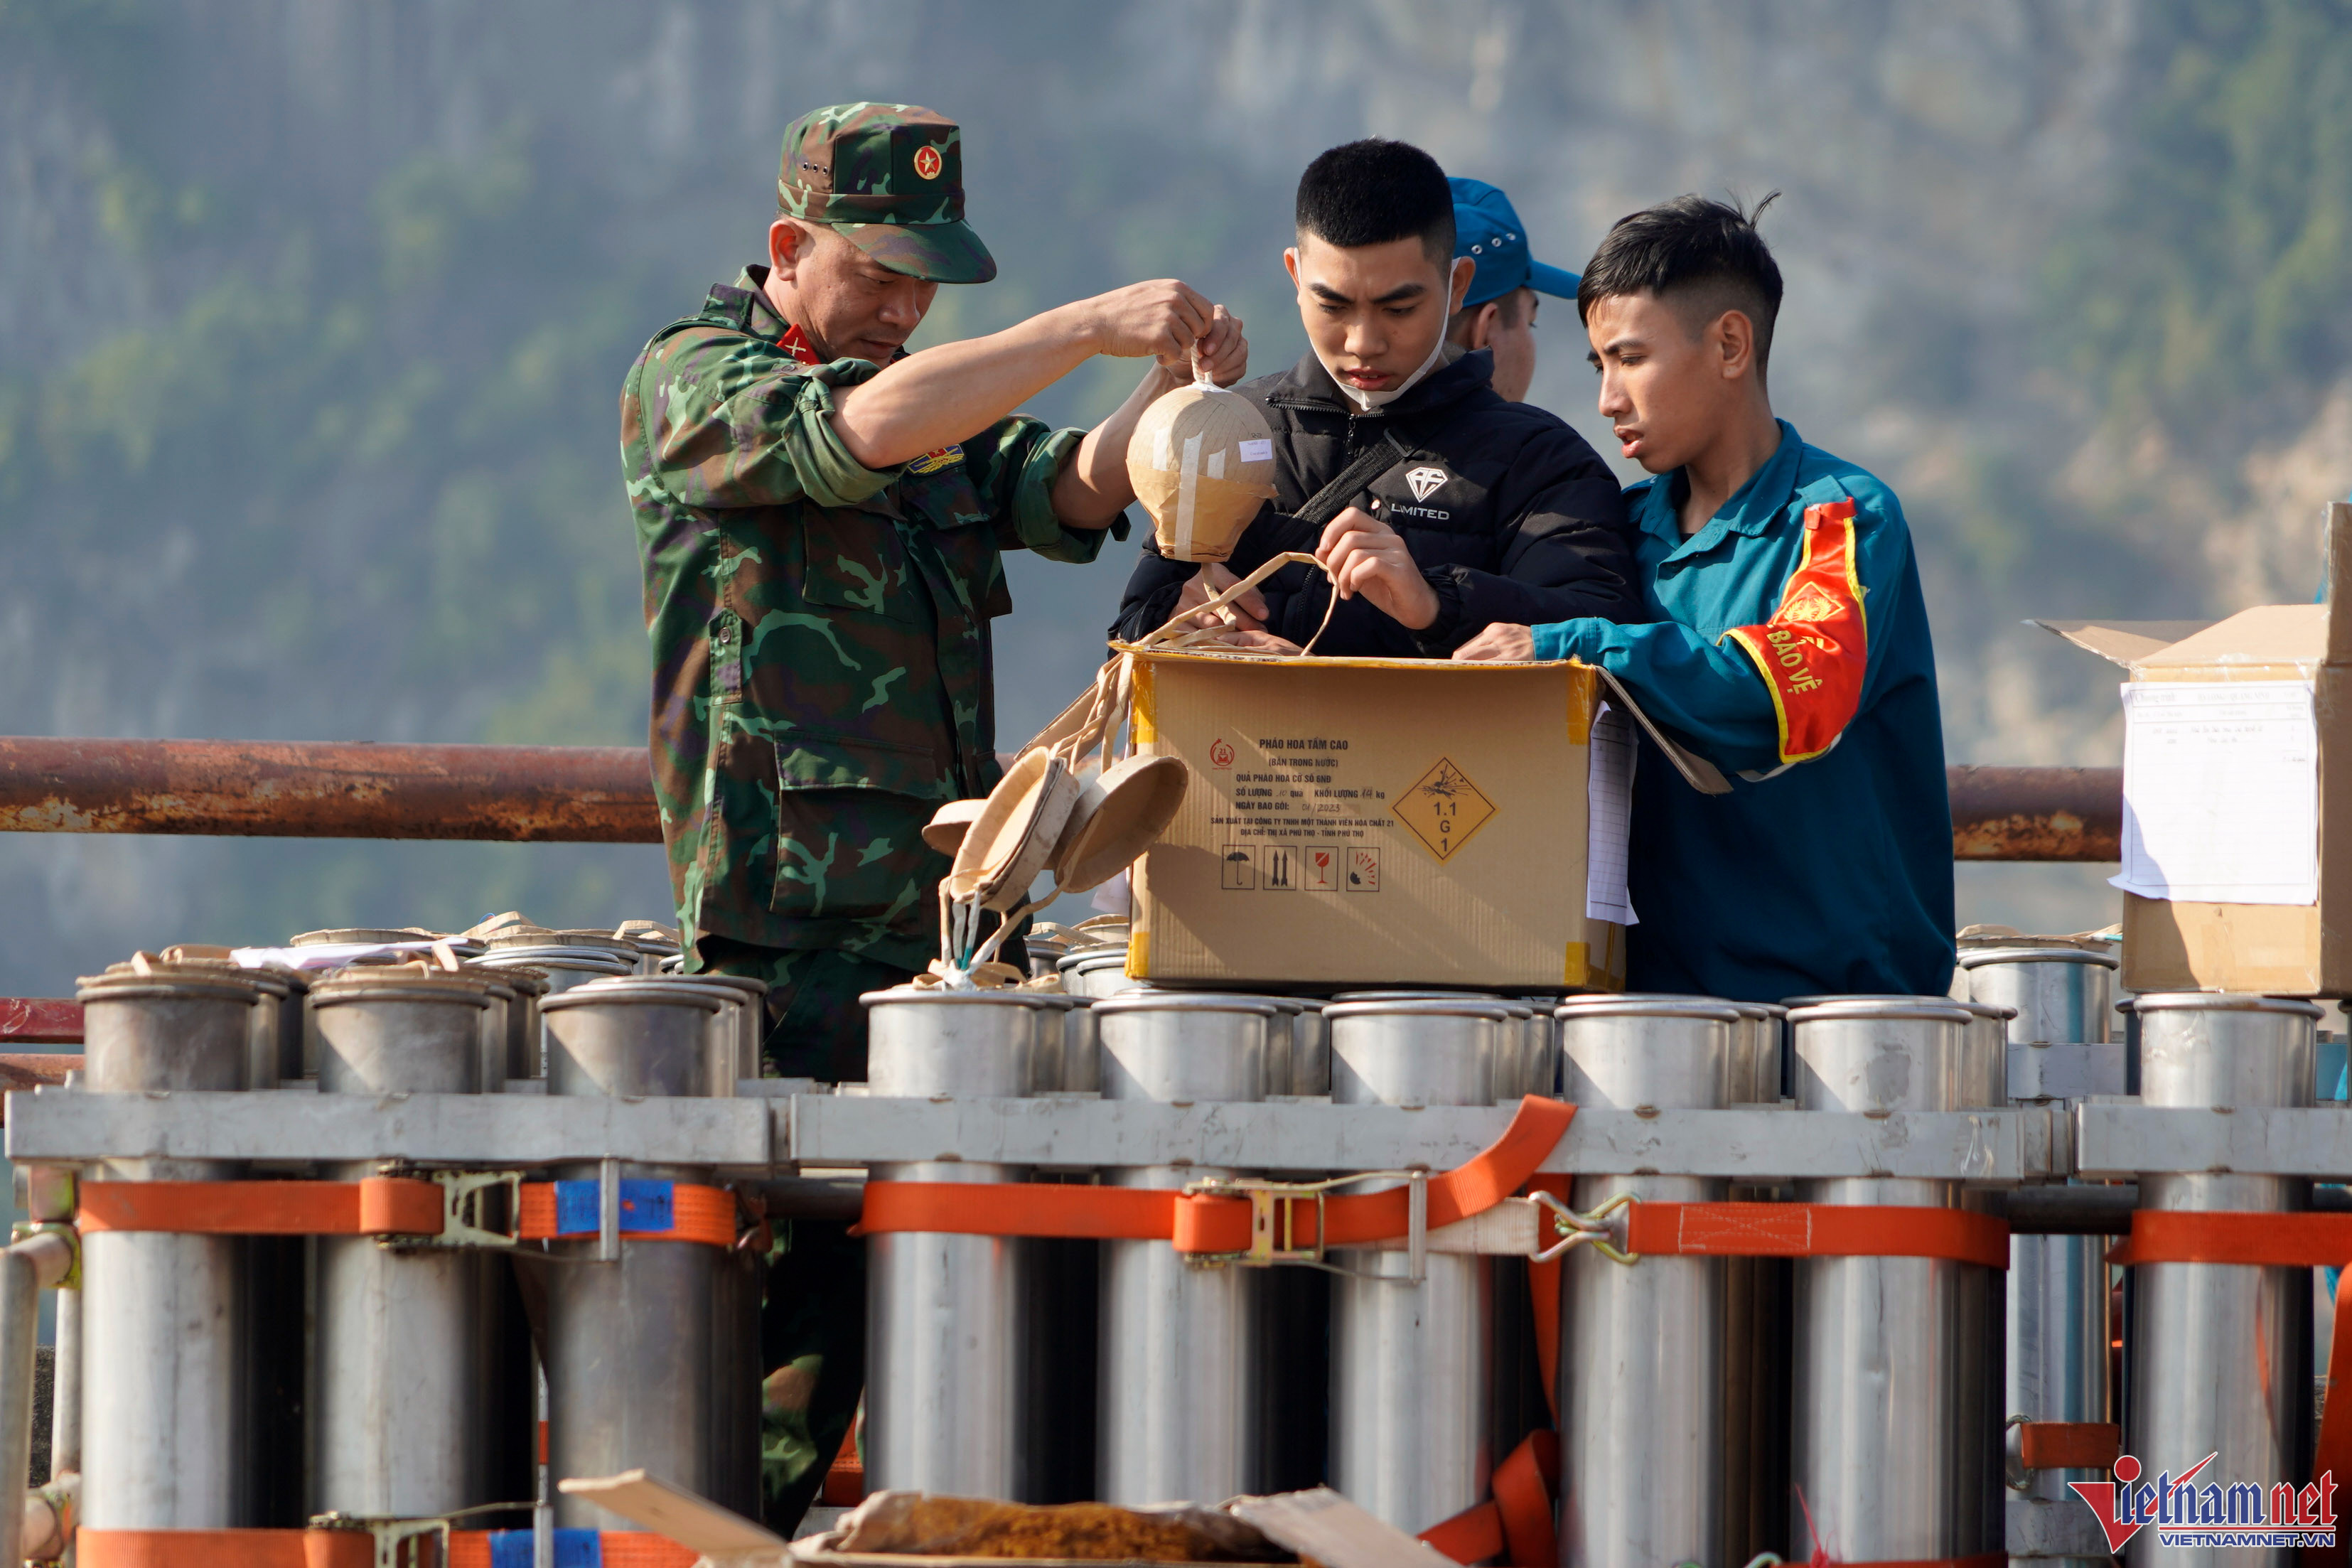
1788 643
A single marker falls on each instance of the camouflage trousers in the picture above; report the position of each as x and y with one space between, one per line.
813 1316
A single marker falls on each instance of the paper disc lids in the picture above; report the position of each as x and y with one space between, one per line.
1014 835
1117 819
947 825
1202 461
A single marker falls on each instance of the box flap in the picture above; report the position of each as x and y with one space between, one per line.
2123 642
1697 771
2337 540
2267 636
1322 1525
695 1522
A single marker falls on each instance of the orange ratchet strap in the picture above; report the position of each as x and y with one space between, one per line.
1213 1222
2280 1240
1815 1230
2069 1445
693 1213
332 1549
1515 1525
2269 1239
399 1205
378 1206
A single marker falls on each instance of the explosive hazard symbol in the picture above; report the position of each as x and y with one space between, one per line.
1444 809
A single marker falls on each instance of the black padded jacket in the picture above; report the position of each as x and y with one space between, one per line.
1511 516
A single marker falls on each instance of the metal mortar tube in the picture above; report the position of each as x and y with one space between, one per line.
1081 1047
732 1037
24 1268
1641 1380
1886 1347
1411 1363
1179 1344
1097 972
1310 1050
632 1366
529 985
2220 1358
496 1031
1752 1055
1515 1077
1050 1067
1543 1065
265 1029
402 1373
558 970
2055 1350
943 1343
164 1412
1983 1413
65 1389
1755 1352
1281 1059
1518 1406
751 1018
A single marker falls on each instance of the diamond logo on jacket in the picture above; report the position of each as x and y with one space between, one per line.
1424 481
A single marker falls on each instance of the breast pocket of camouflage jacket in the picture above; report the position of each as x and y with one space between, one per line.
850 814
853 559
964 534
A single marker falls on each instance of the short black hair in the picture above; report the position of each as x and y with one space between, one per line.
1373 192
1510 309
1704 255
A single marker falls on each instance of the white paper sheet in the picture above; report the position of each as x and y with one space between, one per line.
2221 792
1610 818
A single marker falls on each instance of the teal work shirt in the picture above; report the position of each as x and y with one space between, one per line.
1788 644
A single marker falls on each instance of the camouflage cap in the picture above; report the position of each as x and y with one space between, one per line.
888 178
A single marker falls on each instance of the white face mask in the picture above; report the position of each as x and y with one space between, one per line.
1370 400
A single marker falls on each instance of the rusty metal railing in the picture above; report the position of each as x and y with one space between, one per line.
604 795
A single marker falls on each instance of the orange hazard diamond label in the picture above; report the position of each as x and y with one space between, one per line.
1444 809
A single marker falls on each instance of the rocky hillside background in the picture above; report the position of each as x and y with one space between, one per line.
313 315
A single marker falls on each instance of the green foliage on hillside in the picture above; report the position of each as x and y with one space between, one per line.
2216 272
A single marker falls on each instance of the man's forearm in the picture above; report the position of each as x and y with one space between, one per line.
947 393
1094 489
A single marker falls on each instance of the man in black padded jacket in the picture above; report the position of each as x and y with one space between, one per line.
1438 507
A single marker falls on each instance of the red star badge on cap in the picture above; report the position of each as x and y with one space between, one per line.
927 162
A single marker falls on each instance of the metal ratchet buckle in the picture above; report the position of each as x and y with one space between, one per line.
1605 1235
462 1209
1273 1217
390 1535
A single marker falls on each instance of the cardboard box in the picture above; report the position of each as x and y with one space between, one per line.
2301 947
1362 822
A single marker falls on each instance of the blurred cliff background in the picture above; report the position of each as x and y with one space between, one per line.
313 315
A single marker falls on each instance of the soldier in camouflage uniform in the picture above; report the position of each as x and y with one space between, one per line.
820 516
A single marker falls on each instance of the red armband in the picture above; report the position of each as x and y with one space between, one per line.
1815 650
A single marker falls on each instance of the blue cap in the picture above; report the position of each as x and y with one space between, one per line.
1488 231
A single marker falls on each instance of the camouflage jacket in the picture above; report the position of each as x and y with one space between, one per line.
820 631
